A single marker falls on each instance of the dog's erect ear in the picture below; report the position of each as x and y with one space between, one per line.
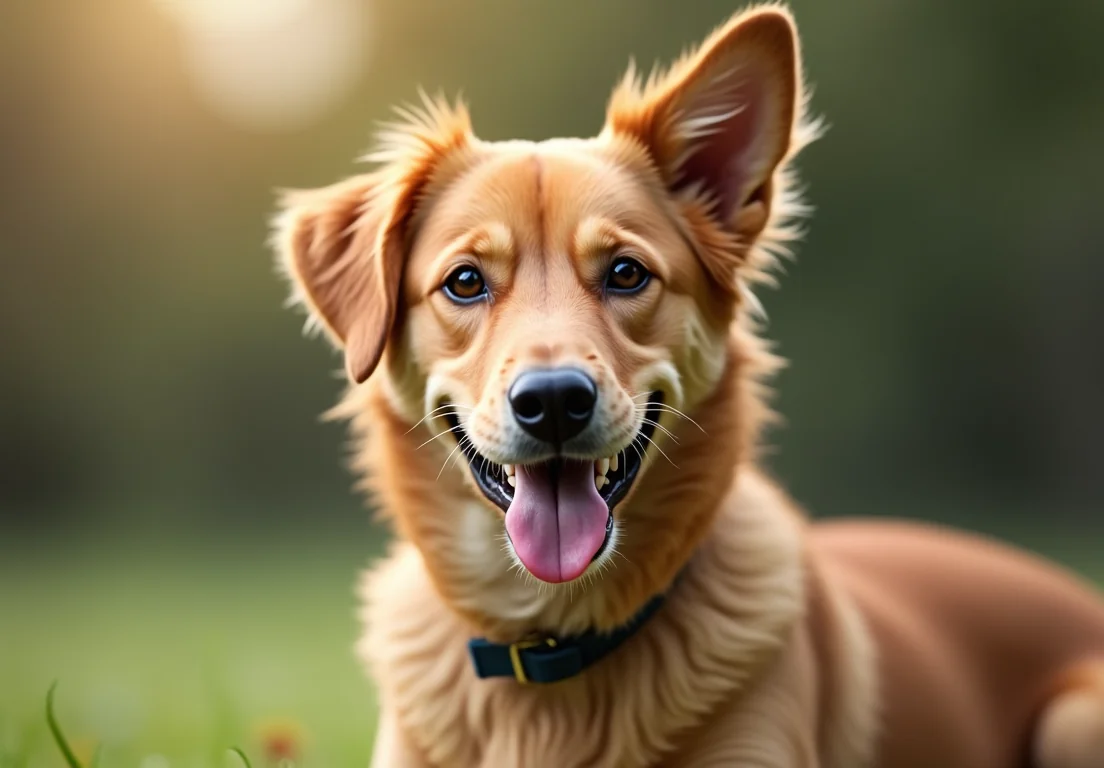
722 120
342 250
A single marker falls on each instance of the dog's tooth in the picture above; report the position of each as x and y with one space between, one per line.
509 469
601 481
603 466
614 463
512 481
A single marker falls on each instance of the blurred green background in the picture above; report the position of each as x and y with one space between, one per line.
178 537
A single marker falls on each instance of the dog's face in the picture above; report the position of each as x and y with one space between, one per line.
549 307
550 299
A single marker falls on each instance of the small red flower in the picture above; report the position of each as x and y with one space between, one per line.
280 740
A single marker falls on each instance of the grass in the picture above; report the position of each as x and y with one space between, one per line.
174 654
72 761
59 738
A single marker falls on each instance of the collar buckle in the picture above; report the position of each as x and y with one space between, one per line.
524 644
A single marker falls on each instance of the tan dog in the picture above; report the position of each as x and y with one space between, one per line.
562 425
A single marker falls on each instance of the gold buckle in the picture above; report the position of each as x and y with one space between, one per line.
521 645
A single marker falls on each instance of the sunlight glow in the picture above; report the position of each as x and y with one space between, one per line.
268 65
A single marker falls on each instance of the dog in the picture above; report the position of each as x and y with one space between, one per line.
558 391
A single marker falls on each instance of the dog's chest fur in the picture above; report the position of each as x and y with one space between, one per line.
729 616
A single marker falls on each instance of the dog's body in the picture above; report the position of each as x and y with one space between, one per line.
974 641
783 643
571 320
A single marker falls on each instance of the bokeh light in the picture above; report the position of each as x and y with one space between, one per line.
269 65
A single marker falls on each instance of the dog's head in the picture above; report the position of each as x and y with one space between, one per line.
555 309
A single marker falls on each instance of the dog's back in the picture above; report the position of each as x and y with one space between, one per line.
973 639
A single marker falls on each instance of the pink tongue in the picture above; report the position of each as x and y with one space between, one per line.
557 529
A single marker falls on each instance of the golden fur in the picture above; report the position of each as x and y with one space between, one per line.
783 643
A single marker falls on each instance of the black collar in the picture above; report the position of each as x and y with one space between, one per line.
550 659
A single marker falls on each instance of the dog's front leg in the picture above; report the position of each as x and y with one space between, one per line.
393 748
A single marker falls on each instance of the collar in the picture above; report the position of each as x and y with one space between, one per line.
539 659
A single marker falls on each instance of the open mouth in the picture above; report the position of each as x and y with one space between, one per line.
559 512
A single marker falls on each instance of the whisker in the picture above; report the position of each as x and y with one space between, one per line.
606 564
592 576
673 412
662 428
620 554
435 410
430 440
671 409
449 458
653 442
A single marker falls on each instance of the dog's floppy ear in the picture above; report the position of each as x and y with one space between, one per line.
721 121
342 250
344 246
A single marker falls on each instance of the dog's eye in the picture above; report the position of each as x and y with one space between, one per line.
465 285
626 276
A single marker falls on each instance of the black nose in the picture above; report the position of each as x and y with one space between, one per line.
554 404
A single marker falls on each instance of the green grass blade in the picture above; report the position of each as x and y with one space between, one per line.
241 756
55 731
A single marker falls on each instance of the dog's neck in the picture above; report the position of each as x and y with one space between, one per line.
460 536
723 624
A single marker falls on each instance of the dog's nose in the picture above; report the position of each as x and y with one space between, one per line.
553 404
